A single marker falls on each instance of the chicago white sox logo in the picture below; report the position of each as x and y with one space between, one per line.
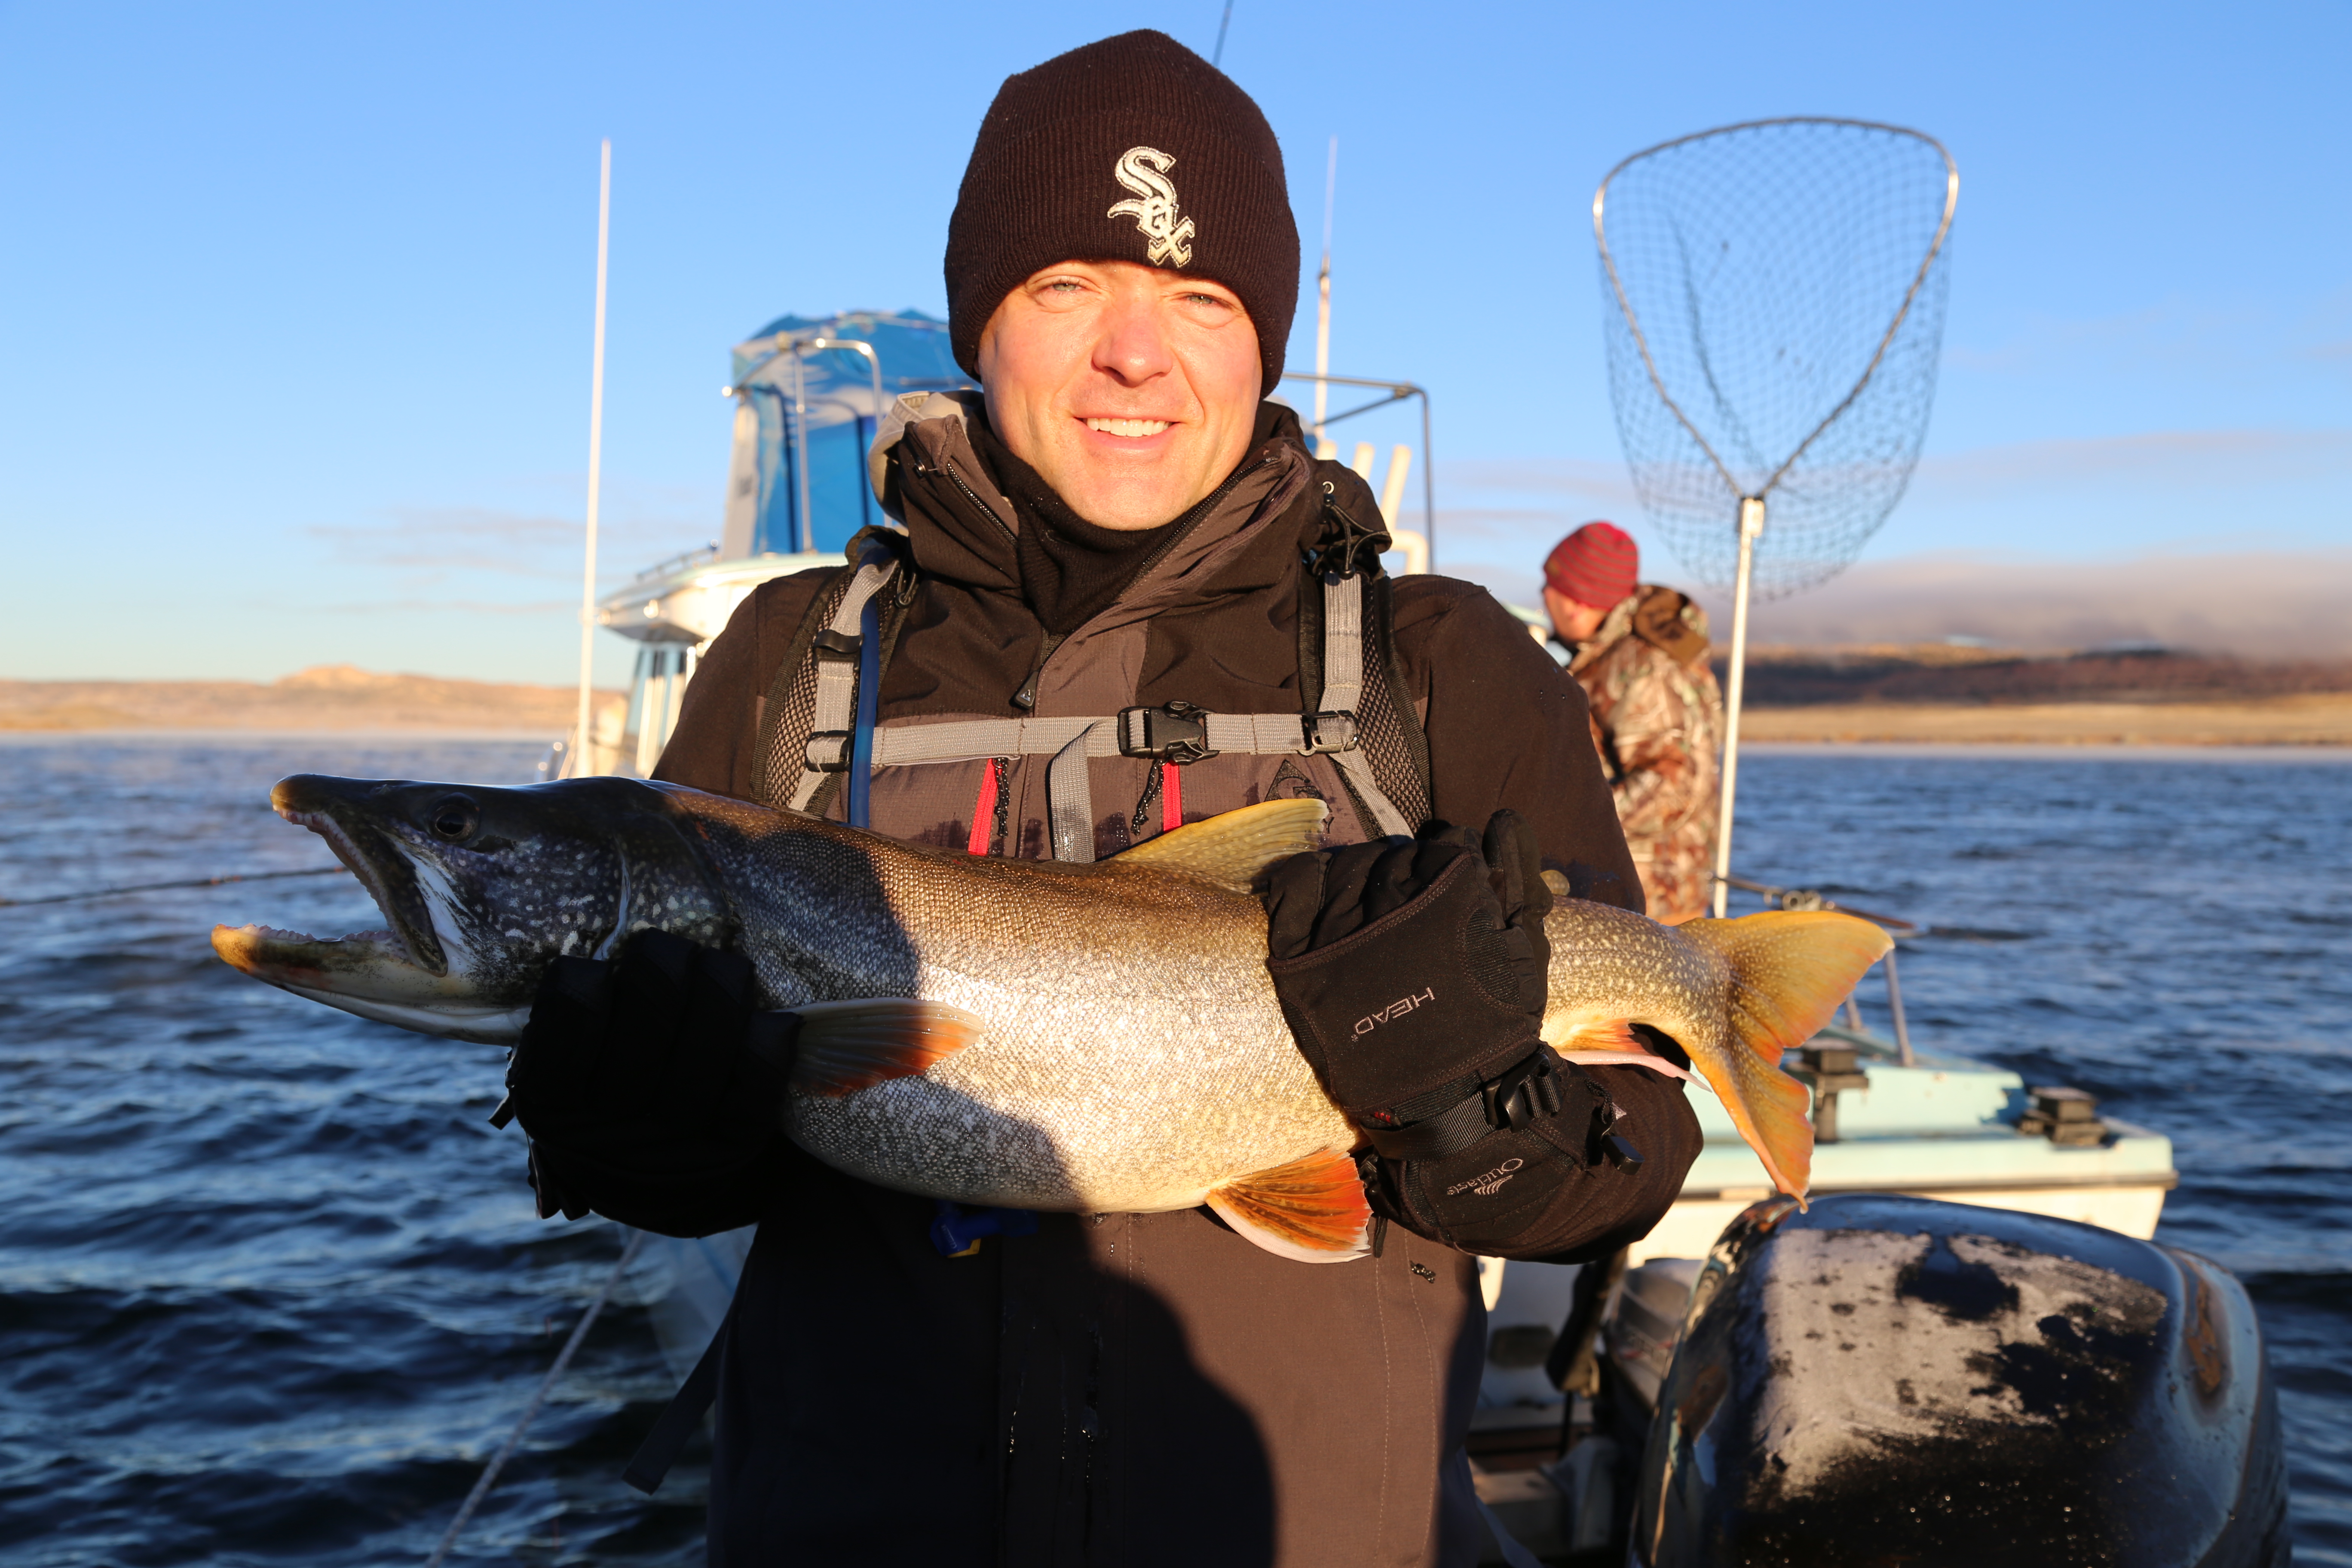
1144 171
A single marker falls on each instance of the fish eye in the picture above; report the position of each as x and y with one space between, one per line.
453 817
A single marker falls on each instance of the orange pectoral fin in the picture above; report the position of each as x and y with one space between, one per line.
844 1046
1312 1210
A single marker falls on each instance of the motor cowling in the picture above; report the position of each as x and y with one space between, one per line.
1893 1380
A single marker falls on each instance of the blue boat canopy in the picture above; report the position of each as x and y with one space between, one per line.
809 394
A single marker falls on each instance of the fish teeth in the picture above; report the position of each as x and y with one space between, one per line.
1128 426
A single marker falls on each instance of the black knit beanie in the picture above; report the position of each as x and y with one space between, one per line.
1132 149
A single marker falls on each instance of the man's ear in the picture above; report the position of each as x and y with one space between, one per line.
984 355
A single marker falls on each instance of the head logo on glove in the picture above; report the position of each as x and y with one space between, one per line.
1396 1009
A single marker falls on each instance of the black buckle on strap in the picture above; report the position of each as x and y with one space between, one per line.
828 644
1174 733
1323 733
1523 1092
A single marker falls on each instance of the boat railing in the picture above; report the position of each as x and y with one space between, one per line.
677 562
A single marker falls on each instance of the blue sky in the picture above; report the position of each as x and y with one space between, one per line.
295 300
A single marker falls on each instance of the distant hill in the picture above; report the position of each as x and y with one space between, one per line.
1941 694
327 696
1780 677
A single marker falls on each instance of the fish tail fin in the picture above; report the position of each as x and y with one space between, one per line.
1790 970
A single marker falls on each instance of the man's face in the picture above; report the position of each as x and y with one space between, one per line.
1132 390
1574 620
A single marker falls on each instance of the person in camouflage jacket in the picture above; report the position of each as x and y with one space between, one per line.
1640 651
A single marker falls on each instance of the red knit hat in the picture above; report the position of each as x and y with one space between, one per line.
1597 565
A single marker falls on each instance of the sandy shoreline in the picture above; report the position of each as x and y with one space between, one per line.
341 700
2316 720
335 699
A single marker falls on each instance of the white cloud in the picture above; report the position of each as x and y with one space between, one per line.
2255 604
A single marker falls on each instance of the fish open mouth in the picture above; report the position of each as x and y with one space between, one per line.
406 941
418 969
275 954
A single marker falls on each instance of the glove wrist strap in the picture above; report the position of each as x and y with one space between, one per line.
1526 1090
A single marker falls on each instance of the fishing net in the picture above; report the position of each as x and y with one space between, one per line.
1774 305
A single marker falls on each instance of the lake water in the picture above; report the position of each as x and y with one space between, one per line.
271 1290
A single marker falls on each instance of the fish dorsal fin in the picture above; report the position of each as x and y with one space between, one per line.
1234 847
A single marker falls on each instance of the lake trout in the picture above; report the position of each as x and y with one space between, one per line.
1090 1038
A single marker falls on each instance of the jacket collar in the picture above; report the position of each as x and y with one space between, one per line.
962 527
1615 629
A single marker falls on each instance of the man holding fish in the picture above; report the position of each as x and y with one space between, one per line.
1075 872
1122 525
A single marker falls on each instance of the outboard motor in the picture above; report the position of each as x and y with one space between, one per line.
1894 1379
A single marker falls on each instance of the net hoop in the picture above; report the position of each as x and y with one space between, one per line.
1918 281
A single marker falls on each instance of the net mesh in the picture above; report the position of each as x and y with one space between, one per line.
1762 265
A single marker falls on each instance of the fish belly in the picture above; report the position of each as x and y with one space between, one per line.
1105 1106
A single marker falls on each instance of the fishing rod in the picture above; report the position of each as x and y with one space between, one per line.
169 887
1806 898
514 1439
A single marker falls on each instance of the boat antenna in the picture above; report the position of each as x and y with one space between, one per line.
577 764
1217 58
1774 301
1323 300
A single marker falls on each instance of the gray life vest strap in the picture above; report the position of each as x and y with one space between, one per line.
1177 732
836 650
1343 690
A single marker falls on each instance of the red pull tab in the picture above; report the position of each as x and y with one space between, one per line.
1172 797
983 810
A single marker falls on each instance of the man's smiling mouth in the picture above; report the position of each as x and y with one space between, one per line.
1128 426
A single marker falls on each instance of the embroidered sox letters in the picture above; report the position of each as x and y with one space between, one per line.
1144 171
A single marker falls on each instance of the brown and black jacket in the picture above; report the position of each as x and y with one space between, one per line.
1130 1389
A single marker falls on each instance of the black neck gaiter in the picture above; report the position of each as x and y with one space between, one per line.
1071 570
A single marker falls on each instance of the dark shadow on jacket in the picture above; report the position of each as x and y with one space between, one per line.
881 1403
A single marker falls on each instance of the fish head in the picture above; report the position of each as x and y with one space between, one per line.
481 889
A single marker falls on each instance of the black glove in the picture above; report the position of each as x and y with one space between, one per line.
1413 973
1409 966
651 1088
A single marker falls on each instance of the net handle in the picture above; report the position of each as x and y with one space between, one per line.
1918 279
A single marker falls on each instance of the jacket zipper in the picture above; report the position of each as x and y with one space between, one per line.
1027 698
1192 519
946 466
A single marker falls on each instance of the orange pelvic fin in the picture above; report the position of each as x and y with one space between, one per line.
844 1046
1312 1210
1790 970
1599 1035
